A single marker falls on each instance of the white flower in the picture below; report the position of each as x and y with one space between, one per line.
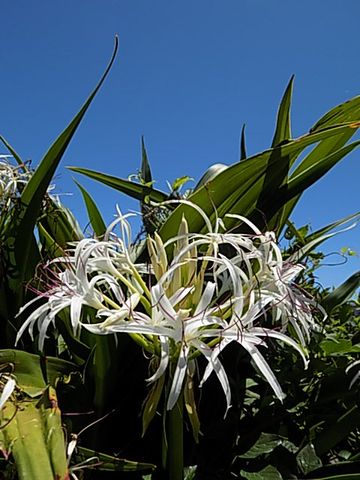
218 287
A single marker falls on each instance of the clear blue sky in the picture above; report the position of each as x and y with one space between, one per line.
187 76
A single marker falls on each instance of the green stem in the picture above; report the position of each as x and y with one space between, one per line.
175 438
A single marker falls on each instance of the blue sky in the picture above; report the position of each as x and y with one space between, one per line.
187 76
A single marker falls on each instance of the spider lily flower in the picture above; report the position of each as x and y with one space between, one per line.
11 179
194 303
70 292
180 333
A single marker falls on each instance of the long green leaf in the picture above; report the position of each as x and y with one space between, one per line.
283 124
146 176
337 431
13 152
33 194
345 112
95 218
315 239
134 190
238 188
243 144
342 293
298 183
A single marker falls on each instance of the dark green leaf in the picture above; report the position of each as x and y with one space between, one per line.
283 124
93 212
237 189
340 346
145 171
307 459
267 473
22 227
135 190
337 431
243 144
343 293
266 443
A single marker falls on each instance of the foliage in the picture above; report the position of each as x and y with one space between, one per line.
212 242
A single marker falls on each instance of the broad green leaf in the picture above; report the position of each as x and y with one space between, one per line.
267 473
307 459
283 123
134 190
345 112
210 174
337 431
31 430
60 223
32 196
339 346
323 149
342 293
300 181
95 218
50 246
237 189
33 373
108 463
266 443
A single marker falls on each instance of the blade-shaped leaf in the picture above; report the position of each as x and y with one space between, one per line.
243 144
237 188
318 237
345 112
95 218
31 199
13 152
342 293
134 190
283 123
298 183
145 171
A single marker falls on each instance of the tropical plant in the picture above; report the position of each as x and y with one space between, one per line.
209 277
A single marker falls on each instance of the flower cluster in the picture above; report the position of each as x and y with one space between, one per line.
199 293
12 180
